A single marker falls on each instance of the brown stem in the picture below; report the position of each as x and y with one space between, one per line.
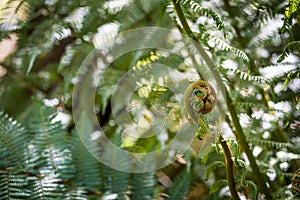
229 168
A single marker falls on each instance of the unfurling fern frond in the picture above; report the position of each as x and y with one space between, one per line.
212 167
214 42
296 183
293 46
249 184
206 12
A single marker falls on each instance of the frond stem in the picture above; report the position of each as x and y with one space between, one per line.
229 168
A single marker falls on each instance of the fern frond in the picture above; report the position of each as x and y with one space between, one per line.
13 143
15 11
143 186
245 76
291 7
49 145
292 75
295 45
180 186
248 105
46 187
271 144
206 12
71 62
13 185
292 10
116 182
76 193
214 42
87 168
278 71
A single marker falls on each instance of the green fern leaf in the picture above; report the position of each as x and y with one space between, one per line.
143 186
292 75
46 187
271 144
13 185
291 8
49 144
247 77
13 143
180 186
87 167
295 45
76 193
215 42
206 12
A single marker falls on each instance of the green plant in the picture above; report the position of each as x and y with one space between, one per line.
255 154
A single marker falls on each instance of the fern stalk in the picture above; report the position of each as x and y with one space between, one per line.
260 178
229 168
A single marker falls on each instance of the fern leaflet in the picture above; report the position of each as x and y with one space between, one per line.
295 45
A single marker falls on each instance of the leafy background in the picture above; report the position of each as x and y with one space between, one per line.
254 45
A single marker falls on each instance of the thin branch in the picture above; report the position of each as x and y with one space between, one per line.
259 177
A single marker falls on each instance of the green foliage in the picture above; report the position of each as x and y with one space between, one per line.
13 142
295 45
180 186
206 12
41 158
212 167
292 10
143 186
